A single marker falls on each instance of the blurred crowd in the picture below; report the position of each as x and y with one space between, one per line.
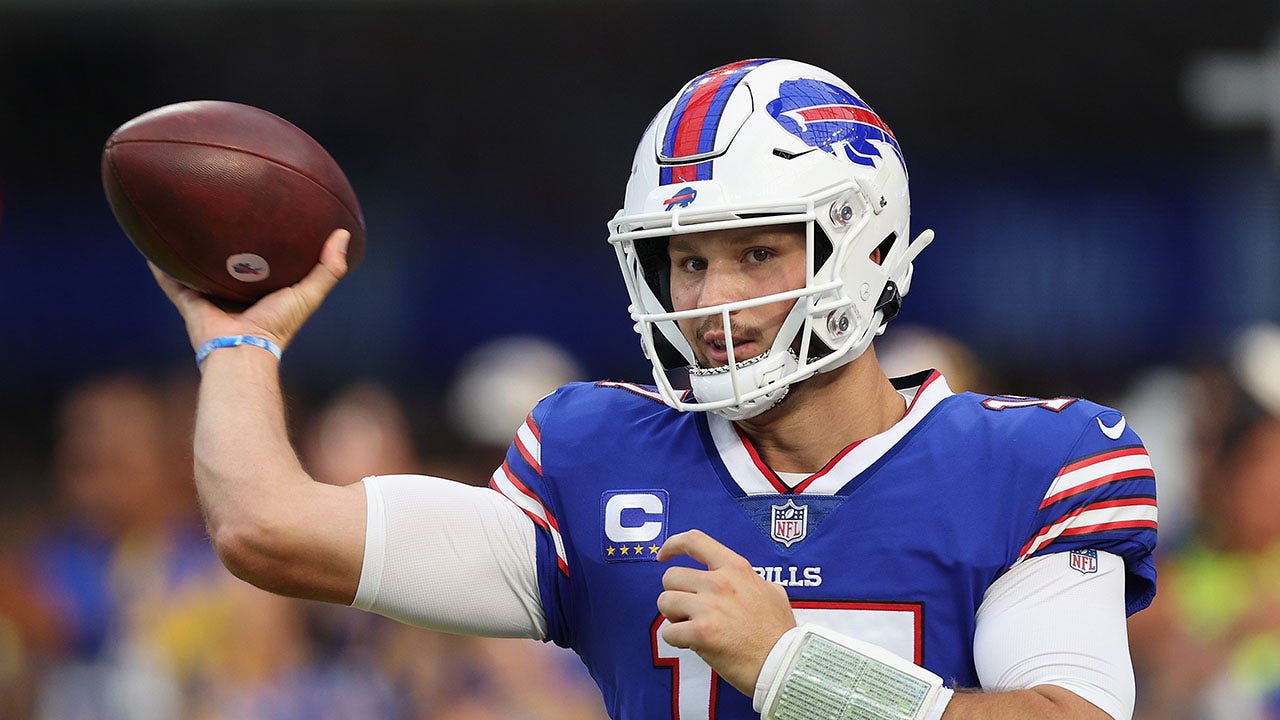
113 605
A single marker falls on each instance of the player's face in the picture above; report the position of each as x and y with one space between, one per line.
724 266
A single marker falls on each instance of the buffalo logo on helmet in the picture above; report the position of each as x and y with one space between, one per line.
684 198
831 118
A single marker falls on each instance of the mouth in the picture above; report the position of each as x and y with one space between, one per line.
715 349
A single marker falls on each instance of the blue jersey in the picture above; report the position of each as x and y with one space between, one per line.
893 542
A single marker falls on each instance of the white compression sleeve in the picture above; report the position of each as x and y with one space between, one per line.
449 556
1044 623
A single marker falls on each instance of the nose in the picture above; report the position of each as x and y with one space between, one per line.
723 283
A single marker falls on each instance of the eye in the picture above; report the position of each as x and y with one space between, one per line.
759 255
692 264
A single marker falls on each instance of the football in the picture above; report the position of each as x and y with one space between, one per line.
230 200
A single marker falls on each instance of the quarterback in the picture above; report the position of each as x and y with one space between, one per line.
773 528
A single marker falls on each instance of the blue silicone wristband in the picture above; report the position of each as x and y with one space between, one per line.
234 340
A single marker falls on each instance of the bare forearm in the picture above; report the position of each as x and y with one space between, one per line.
1044 702
272 524
242 452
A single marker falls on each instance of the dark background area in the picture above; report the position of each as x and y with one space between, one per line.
1091 223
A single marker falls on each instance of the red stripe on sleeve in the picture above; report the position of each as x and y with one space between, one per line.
1113 477
528 457
1101 457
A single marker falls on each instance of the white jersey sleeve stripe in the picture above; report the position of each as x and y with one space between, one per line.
511 488
530 445
1097 517
1079 477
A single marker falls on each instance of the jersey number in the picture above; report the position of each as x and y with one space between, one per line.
893 626
1057 404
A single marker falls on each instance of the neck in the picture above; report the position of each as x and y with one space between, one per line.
824 414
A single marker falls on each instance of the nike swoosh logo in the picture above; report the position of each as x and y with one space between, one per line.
1112 431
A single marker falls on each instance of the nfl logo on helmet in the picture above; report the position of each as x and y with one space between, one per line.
789 524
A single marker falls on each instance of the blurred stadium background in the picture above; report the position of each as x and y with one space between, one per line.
1104 179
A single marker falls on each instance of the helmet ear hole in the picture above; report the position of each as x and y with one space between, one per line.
882 250
822 247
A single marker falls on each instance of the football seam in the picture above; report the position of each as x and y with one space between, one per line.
146 217
355 215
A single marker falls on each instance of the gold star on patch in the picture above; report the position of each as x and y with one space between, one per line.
608 550
625 549
639 549
653 549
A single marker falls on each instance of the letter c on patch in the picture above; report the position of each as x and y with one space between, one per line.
633 517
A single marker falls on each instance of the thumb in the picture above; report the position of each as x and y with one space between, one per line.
316 285
333 263
281 314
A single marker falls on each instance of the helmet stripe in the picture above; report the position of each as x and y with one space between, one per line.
696 117
670 174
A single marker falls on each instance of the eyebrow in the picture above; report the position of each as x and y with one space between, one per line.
680 244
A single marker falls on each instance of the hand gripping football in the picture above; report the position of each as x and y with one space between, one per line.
230 200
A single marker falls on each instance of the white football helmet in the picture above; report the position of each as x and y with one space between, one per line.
768 142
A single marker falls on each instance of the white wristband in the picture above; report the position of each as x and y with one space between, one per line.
815 673
772 663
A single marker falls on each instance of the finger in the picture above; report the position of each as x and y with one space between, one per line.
681 578
699 546
675 606
166 283
681 634
180 295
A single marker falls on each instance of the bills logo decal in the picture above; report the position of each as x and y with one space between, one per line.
683 198
248 267
833 119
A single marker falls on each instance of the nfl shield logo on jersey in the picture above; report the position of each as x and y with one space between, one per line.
790 523
1086 561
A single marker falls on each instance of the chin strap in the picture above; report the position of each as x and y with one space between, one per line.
814 673
713 384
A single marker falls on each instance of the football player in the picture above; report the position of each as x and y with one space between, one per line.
794 534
